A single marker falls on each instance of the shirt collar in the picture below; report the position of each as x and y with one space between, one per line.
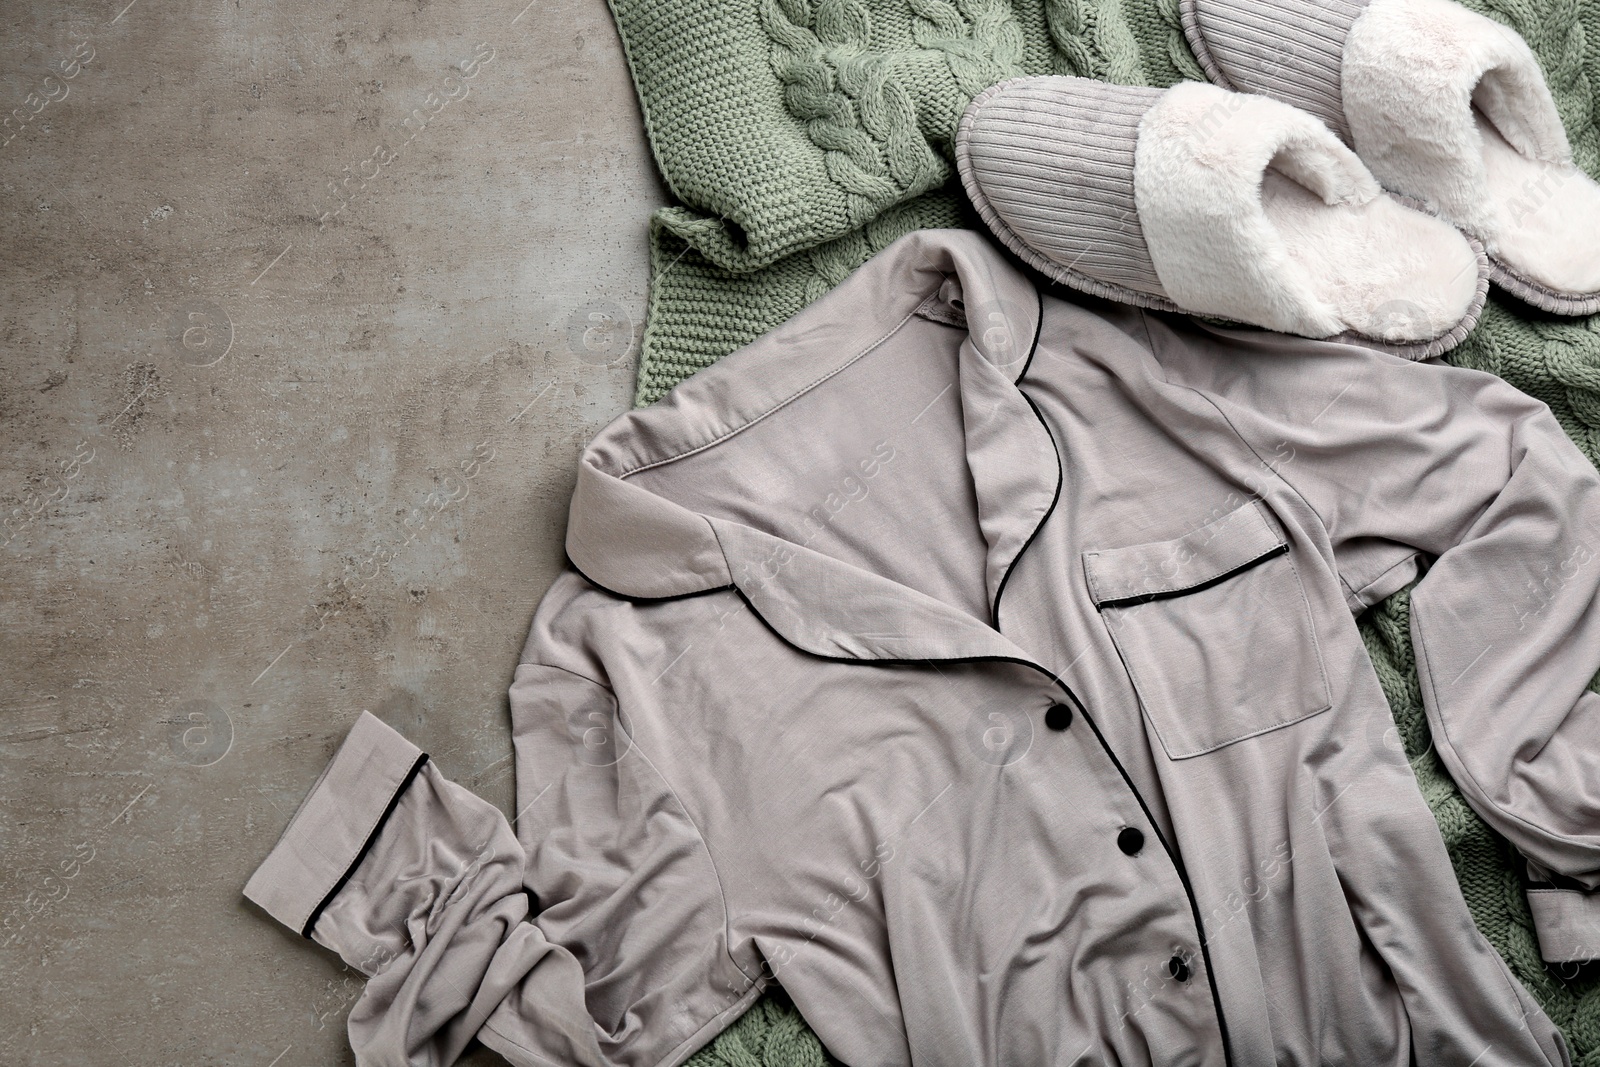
641 546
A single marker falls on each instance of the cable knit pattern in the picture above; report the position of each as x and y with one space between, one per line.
801 138
980 39
770 1034
864 123
1183 60
1566 52
1095 41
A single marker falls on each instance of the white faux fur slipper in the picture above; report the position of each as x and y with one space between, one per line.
1215 203
1442 104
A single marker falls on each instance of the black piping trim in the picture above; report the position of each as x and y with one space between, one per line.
1561 883
994 611
394 801
1038 328
889 661
1163 594
1172 853
1555 880
645 599
1188 888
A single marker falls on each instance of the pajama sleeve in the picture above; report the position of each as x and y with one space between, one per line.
1455 475
420 885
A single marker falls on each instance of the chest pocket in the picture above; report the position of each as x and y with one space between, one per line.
1215 631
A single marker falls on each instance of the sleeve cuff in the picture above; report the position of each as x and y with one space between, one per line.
337 823
1567 922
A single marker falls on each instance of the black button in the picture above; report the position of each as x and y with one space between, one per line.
1059 717
1131 840
1178 968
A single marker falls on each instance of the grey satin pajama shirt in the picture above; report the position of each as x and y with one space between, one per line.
982 667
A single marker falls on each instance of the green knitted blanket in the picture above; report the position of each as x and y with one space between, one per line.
800 137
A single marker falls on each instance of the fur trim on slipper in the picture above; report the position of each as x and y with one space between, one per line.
1444 105
1452 107
1215 203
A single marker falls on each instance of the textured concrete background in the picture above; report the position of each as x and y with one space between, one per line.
307 311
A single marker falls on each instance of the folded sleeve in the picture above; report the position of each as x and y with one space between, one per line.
1455 475
420 885
621 869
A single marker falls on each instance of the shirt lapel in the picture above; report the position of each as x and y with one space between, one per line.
833 609
641 545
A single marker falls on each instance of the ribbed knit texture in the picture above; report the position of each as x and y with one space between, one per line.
1056 166
802 137
1289 49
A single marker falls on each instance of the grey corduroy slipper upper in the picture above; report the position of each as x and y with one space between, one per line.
1216 203
1444 105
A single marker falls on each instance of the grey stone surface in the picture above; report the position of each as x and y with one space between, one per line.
305 311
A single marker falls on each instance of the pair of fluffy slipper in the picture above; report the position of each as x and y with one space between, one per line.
1359 171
